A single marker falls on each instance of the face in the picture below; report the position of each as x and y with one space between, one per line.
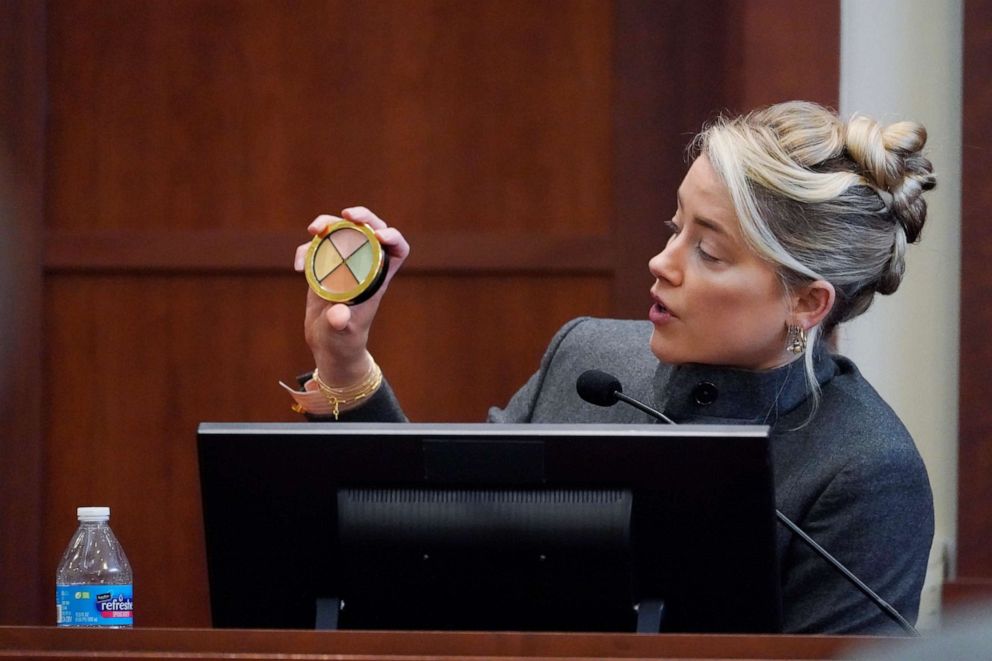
716 301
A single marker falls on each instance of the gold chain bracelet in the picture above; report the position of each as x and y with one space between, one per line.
350 395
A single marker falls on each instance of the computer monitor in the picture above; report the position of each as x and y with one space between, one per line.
490 527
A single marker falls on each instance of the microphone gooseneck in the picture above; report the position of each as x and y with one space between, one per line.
885 606
603 389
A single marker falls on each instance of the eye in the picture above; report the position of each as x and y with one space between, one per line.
705 256
670 224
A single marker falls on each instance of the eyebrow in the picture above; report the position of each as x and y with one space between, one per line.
711 225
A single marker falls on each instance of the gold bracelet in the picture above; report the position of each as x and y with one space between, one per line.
350 395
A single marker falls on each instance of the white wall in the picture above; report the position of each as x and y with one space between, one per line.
902 59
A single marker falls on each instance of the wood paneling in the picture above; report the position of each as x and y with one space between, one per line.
975 417
141 360
462 344
529 150
783 50
679 64
667 82
440 114
144 250
22 104
140 644
960 595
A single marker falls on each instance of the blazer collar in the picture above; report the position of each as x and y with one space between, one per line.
709 394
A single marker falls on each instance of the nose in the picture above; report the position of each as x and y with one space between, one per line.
667 265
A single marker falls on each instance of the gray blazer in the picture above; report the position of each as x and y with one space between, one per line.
850 475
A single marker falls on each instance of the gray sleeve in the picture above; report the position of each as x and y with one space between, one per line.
876 518
521 406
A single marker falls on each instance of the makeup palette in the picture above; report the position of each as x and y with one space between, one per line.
346 263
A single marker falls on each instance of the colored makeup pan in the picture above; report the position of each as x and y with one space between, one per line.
346 264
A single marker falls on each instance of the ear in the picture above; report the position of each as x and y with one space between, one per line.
812 303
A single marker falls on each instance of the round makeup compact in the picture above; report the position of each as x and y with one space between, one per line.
346 263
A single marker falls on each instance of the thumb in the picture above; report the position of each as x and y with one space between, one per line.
338 316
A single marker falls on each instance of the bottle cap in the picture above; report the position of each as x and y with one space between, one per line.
93 513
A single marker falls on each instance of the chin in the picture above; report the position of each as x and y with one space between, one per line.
663 351
682 353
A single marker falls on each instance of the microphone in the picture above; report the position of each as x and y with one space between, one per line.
602 389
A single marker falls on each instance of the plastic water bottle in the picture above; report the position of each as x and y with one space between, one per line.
94 583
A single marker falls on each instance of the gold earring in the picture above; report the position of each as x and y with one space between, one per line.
796 339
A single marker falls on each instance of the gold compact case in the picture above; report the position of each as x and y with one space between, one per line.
346 263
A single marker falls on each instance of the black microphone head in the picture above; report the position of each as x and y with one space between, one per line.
599 388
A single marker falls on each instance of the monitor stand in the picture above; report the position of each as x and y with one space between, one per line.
327 613
649 614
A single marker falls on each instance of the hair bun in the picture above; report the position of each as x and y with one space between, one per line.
891 161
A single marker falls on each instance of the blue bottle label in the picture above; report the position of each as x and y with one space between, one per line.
94 605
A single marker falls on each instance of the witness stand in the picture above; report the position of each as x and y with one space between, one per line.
210 644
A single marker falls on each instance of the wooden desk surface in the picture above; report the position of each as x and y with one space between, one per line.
145 644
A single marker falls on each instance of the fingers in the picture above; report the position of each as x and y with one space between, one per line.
338 316
321 222
363 215
354 214
393 241
301 256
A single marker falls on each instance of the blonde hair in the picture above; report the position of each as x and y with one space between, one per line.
824 199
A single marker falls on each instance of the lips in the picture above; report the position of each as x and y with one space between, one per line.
660 302
659 314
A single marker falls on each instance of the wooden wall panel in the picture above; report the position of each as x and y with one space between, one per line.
218 251
667 82
142 360
783 50
462 344
22 66
679 64
441 114
975 414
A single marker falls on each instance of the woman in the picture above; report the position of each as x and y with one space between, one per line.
787 224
